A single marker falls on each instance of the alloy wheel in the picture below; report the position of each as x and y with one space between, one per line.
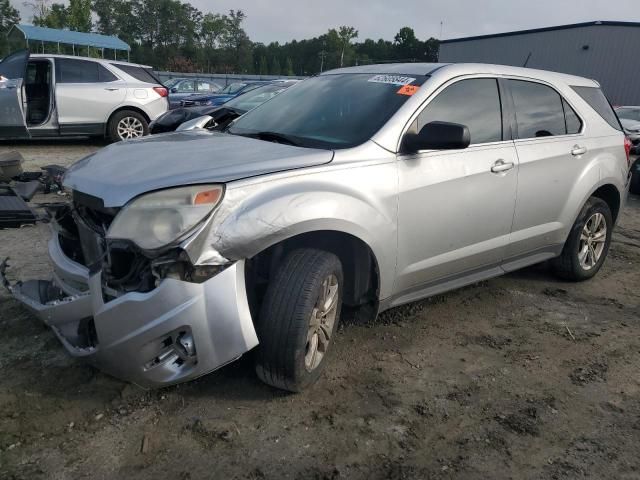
323 318
130 127
592 241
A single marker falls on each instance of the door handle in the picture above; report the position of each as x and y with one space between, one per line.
110 89
578 150
502 166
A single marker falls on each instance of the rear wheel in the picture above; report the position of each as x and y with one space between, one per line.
298 319
127 125
588 244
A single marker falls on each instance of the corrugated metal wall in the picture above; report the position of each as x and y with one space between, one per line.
613 56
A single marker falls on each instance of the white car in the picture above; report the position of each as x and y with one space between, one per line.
59 95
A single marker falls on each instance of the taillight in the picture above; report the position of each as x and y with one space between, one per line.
627 150
163 92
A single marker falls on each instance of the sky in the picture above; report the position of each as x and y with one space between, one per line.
284 20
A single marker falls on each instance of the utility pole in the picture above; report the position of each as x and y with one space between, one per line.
441 27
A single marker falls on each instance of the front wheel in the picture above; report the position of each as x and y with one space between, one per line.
127 125
588 244
634 187
298 319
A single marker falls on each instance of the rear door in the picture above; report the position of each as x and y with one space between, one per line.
12 117
552 152
86 94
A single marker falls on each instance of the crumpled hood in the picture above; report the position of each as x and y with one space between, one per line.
124 170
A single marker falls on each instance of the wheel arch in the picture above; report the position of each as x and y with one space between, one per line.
360 267
611 196
122 108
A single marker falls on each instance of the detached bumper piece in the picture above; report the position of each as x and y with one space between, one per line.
174 333
14 211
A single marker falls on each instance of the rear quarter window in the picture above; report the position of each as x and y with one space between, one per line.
596 99
139 73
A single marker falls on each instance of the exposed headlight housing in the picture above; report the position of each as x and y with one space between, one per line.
158 219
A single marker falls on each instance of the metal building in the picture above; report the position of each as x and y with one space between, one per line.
605 51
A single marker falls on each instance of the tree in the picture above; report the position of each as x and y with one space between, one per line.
275 67
211 29
79 15
236 41
40 10
264 67
289 67
407 44
57 17
9 16
346 34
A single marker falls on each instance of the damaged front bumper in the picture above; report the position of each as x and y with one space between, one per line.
176 332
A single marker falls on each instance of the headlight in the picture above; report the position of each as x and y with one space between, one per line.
158 219
207 102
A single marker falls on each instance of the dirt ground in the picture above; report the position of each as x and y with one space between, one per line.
518 377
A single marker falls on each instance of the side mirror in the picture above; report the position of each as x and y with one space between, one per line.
174 90
437 136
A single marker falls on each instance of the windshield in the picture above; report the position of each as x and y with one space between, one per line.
253 98
331 111
172 82
629 113
233 88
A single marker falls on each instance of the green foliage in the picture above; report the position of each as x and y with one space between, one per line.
264 67
174 34
275 67
79 15
9 16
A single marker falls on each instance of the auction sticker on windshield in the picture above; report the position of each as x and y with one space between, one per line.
392 79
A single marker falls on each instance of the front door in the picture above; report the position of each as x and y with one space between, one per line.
456 206
12 117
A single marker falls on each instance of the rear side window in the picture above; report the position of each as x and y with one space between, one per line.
574 124
70 70
594 97
139 73
474 103
539 111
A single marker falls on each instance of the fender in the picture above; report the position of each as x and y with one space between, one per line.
255 217
604 170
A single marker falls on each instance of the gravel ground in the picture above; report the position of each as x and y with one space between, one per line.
518 377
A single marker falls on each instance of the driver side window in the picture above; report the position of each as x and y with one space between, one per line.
474 103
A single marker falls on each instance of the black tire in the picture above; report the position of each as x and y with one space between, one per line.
116 118
634 187
567 266
285 316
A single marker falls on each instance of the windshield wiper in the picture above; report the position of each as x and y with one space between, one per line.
273 137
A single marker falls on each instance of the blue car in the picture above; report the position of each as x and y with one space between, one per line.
180 88
227 93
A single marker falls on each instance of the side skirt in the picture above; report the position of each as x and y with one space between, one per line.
468 278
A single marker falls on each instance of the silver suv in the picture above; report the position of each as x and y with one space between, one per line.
348 194
57 95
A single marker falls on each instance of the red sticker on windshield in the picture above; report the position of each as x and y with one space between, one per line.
408 90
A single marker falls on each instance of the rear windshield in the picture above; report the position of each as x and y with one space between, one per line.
594 97
139 73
